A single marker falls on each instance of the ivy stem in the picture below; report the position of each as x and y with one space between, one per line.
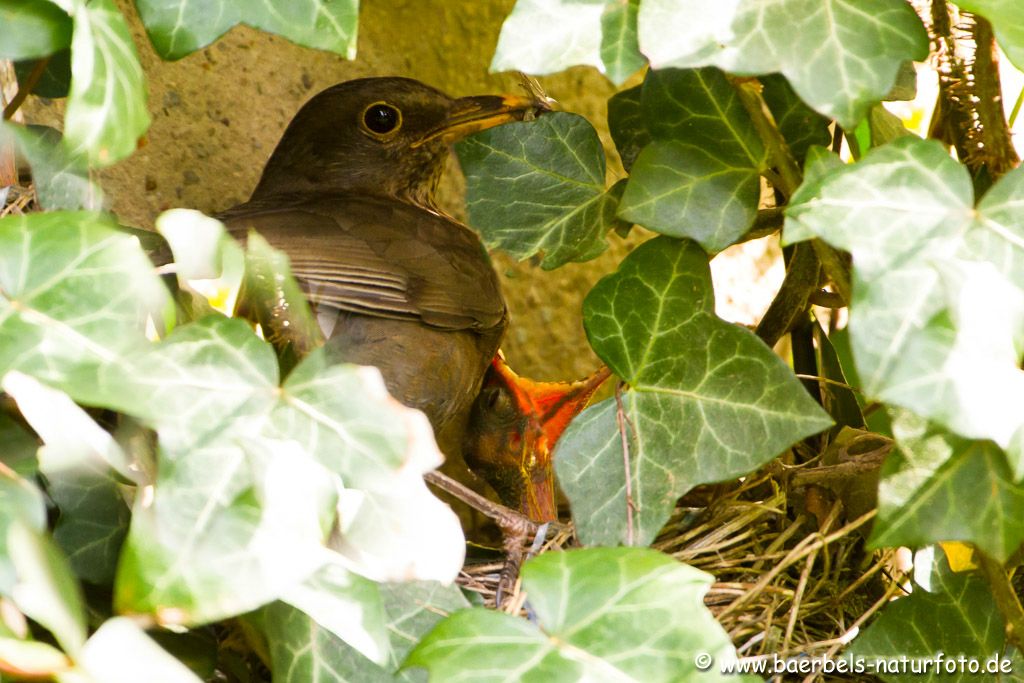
24 89
623 422
1016 108
1005 596
779 156
781 159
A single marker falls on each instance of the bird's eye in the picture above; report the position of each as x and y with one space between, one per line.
381 118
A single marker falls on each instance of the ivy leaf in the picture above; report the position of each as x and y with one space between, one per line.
56 79
708 401
254 476
700 176
947 612
32 29
178 27
602 614
348 606
45 590
20 503
301 650
545 36
104 656
938 285
620 54
927 479
32 659
800 125
627 126
885 126
61 180
836 395
74 293
18 448
1007 20
905 87
413 609
843 56
78 460
271 297
106 111
538 187
380 449
230 528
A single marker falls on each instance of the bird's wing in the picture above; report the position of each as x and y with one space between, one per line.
380 257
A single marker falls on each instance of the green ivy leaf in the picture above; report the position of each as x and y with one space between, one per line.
56 79
938 284
106 110
301 650
32 29
885 126
270 296
627 126
78 462
104 656
348 606
1007 20
178 27
20 503
926 481
74 293
32 659
230 527
18 448
700 176
949 613
620 53
539 187
841 57
61 180
836 395
708 401
905 87
800 125
45 590
545 36
252 476
602 614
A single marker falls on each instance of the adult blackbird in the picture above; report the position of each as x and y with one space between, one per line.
348 195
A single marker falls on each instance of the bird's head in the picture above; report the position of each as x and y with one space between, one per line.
382 136
513 428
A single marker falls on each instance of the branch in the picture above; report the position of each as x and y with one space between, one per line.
26 88
843 471
790 304
768 222
1005 596
623 422
969 110
506 518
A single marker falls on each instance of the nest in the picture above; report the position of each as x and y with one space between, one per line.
788 582
16 200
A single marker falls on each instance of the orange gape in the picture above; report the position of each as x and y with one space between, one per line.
513 428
